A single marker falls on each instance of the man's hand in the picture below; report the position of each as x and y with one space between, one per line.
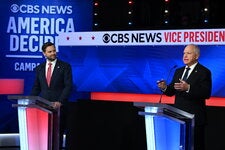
56 105
182 86
161 84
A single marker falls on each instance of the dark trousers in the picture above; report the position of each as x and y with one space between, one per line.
62 125
199 137
59 128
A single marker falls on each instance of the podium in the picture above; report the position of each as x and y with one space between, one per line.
167 128
38 123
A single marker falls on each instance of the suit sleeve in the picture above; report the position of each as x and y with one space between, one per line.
200 85
68 84
170 91
201 88
36 89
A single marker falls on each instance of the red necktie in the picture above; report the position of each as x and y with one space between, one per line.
49 73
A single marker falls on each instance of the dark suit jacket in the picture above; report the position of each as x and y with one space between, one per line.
60 86
200 89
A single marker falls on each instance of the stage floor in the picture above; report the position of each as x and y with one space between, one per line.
11 141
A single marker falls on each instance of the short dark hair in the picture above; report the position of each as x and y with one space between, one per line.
45 45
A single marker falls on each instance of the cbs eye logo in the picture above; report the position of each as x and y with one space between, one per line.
14 8
24 8
106 38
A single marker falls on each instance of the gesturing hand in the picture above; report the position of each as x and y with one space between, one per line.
182 86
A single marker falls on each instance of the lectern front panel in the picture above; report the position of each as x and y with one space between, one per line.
37 128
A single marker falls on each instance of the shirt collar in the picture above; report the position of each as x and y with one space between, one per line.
53 62
192 66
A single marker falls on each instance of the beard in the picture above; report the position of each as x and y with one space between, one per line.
51 58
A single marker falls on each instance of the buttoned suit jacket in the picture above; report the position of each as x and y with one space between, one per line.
200 89
60 85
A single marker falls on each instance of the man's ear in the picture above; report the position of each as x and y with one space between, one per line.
197 56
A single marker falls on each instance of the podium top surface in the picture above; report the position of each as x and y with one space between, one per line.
32 100
159 108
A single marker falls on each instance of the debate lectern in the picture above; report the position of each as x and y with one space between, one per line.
38 123
167 128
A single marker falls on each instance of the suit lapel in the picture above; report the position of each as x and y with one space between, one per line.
55 71
43 74
180 73
193 73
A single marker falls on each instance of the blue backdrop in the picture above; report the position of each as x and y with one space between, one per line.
135 69
25 26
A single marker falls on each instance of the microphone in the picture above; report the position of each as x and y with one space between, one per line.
175 66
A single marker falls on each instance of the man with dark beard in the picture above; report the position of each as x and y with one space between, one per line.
53 82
